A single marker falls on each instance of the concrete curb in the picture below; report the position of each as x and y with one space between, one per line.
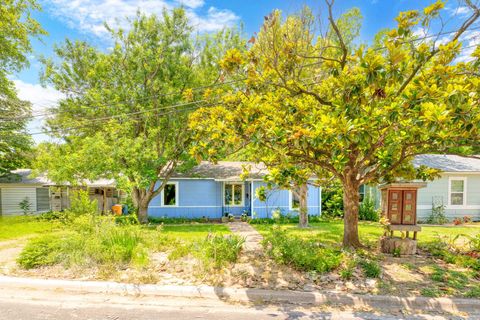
450 305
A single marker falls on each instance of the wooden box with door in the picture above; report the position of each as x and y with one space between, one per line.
399 202
399 206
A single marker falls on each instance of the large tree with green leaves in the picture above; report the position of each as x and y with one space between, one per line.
125 111
353 112
16 28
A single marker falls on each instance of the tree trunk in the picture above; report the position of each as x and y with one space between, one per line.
141 199
351 204
142 214
302 192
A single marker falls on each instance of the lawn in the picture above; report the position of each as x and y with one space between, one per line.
194 232
15 227
331 232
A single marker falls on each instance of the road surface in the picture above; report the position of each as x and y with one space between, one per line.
34 304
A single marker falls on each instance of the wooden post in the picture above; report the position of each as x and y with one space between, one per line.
408 234
104 200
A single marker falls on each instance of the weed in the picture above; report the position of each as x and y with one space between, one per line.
431 292
220 251
370 268
304 255
42 251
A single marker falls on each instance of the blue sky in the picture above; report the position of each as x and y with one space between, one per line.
83 19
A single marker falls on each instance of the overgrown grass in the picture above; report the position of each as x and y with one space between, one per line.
304 255
15 227
330 232
103 241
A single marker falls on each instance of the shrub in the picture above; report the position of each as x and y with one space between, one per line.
301 254
168 220
467 219
126 220
437 215
219 251
367 210
371 269
25 205
41 251
332 201
61 216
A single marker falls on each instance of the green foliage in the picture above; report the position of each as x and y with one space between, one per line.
219 251
126 220
370 268
25 205
152 67
372 109
170 220
61 216
42 251
437 215
17 26
284 219
367 210
300 254
80 203
93 240
431 292
332 201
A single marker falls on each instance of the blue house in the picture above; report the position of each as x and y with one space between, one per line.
213 190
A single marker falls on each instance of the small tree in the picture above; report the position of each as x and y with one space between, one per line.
25 205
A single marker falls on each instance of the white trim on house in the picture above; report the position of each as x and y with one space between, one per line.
242 204
185 206
177 195
466 207
290 201
274 207
449 203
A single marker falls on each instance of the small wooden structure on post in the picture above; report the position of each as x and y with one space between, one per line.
399 206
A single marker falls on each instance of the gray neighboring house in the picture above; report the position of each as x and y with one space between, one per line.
44 195
457 188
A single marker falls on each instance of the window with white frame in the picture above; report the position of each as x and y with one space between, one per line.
233 194
294 201
361 192
457 191
170 195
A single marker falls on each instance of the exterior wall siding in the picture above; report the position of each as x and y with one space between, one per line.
437 192
12 196
196 198
280 199
199 198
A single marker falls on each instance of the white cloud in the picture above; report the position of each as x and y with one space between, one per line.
40 97
191 3
470 39
460 11
89 15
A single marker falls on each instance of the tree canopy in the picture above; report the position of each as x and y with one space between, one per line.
16 28
125 111
359 113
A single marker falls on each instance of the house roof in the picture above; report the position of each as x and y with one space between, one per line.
448 163
224 170
23 176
